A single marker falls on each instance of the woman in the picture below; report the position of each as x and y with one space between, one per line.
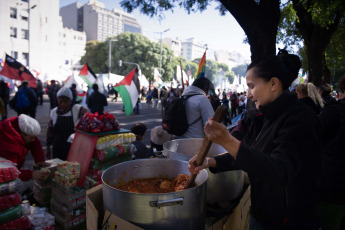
61 124
325 91
332 120
309 95
279 151
18 137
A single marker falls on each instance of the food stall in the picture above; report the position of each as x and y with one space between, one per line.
60 198
107 205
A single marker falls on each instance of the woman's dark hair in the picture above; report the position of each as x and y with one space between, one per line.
326 89
284 66
139 129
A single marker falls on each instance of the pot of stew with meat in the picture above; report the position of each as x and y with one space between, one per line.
150 193
221 187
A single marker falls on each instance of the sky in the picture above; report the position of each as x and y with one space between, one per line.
219 32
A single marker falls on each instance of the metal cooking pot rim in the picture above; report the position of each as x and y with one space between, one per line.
140 160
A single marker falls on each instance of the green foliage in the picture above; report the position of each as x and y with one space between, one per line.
157 7
130 47
335 53
213 70
96 56
288 33
314 23
240 70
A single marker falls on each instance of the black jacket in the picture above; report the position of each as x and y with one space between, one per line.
281 155
308 101
332 120
96 102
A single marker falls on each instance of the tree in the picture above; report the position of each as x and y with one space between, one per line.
314 22
240 70
96 56
213 69
258 19
130 47
136 48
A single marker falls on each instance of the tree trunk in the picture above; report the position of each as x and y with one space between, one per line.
325 72
316 39
314 65
259 22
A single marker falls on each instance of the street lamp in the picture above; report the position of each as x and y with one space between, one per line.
130 63
110 40
160 57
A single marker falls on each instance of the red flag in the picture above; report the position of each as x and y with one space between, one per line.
15 70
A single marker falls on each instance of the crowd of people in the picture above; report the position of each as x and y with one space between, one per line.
290 144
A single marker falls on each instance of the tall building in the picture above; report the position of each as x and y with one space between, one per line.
98 22
32 32
192 49
174 44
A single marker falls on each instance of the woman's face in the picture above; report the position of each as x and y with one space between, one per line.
27 138
64 103
259 90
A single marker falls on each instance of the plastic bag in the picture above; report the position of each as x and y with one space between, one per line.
8 171
96 125
10 214
10 187
110 122
18 224
9 201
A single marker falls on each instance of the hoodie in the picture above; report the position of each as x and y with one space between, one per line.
197 107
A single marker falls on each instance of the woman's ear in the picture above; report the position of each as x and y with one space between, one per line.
275 83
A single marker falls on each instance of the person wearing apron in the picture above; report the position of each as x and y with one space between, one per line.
61 125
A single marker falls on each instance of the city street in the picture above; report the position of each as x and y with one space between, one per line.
149 116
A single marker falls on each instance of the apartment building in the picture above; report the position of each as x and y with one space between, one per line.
31 32
98 22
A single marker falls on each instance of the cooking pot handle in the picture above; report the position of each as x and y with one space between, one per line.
162 203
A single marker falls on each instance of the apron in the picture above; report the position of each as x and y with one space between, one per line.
63 128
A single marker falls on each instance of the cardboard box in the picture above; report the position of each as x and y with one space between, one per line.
95 213
238 219
94 208
112 222
95 217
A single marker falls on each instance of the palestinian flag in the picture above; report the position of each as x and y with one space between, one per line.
88 75
128 89
15 70
202 67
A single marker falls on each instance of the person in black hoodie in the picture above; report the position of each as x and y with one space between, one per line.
280 151
332 118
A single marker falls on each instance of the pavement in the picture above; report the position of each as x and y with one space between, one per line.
151 117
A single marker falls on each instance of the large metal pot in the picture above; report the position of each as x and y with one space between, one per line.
221 187
177 210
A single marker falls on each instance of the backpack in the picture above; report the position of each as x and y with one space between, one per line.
175 119
22 99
